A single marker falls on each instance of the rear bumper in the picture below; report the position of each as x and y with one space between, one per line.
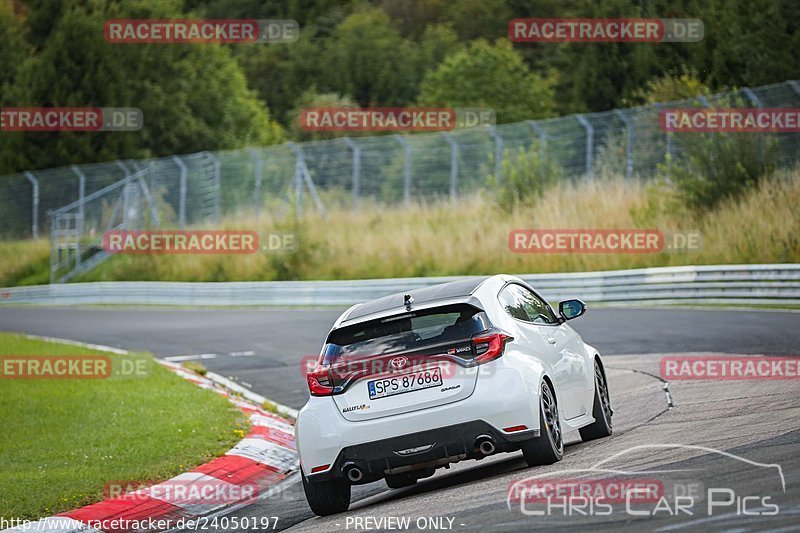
502 399
428 449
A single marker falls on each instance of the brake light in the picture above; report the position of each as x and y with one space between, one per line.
489 347
319 382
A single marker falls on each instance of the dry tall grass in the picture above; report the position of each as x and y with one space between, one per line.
470 236
24 262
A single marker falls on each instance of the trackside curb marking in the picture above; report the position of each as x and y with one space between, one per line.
118 351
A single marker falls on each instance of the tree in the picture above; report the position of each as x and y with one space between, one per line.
368 60
305 12
309 99
413 17
279 73
13 48
494 76
437 42
480 18
670 88
194 97
756 42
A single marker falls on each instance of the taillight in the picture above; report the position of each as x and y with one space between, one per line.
319 382
489 347
325 380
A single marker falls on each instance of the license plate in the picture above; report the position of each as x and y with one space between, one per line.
424 379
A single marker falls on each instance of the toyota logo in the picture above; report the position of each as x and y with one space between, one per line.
399 362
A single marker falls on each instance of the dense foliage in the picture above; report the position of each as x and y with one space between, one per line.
378 53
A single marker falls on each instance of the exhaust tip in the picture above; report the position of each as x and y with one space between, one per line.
353 473
485 445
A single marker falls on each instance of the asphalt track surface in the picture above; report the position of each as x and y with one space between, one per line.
756 421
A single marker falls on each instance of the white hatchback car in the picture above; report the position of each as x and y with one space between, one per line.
412 382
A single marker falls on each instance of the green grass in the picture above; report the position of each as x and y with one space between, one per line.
25 263
195 366
273 408
63 440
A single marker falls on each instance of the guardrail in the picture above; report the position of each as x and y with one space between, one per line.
777 284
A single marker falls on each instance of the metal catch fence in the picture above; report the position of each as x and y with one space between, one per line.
350 172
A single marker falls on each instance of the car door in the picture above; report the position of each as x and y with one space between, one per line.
563 346
568 347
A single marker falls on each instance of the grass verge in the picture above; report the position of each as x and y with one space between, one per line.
64 440
470 237
24 263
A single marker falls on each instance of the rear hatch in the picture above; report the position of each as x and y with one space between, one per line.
402 363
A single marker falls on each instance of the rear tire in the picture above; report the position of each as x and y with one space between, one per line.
548 447
327 497
601 427
398 481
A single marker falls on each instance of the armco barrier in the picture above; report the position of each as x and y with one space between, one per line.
777 284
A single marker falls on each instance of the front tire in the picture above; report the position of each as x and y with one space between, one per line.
327 497
548 447
601 427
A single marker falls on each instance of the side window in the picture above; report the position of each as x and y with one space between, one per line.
521 303
512 304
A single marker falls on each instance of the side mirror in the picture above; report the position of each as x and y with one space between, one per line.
570 309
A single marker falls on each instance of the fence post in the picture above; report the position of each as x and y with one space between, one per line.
53 246
124 168
81 212
406 169
298 178
589 143
542 143
34 205
628 142
217 186
146 191
126 207
256 157
182 191
356 170
667 136
756 101
453 163
703 102
498 151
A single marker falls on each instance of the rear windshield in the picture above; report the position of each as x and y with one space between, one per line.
405 332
